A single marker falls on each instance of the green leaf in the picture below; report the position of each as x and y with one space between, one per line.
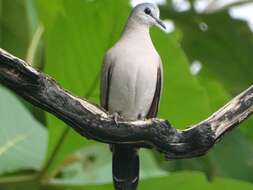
184 101
192 180
179 181
225 71
93 165
14 30
17 24
235 147
23 140
76 40
222 44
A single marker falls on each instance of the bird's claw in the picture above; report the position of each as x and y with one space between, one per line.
115 116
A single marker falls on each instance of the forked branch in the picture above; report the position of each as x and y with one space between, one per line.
93 122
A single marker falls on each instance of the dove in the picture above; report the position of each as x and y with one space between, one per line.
131 85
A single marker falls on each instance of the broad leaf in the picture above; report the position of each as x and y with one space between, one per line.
93 165
184 101
76 42
23 140
179 181
211 40
14 31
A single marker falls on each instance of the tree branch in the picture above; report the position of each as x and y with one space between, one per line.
93 122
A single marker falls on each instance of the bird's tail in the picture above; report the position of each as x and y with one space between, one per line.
125 167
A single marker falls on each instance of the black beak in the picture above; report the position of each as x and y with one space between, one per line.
158 21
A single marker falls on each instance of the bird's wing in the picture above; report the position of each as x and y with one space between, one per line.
158 91
106 76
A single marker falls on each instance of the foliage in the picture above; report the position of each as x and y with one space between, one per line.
76 36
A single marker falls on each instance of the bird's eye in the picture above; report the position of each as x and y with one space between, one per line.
147 11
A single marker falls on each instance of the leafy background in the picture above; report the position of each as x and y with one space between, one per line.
67 39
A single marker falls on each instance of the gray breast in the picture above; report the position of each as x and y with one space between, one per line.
133 84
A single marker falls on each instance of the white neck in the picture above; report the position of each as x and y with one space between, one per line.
135 31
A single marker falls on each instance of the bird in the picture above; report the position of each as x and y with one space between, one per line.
131 85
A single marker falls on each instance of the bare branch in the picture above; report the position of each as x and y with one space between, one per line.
93 122
215 6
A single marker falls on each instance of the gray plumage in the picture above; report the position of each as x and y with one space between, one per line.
131 85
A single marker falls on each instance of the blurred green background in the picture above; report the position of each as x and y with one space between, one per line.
207 57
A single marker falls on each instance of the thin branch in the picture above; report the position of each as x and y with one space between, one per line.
93 122
215 6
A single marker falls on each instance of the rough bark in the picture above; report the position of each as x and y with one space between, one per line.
93 122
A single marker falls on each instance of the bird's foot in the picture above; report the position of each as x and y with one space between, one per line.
115 116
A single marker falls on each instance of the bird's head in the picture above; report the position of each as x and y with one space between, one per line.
147 14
